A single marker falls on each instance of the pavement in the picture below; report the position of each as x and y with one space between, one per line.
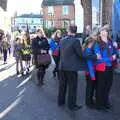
21 99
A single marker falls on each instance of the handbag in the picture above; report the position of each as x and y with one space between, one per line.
43 59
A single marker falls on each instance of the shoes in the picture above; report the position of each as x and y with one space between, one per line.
54 74
108 106
5 62
91 106
28 69
75 108
22 73
18 73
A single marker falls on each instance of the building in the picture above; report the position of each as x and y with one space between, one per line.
3 15
58 13
3 4
32 20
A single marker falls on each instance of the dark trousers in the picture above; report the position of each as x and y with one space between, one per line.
104 84
9 49
41 74
5 55
68 79
56 60
90 90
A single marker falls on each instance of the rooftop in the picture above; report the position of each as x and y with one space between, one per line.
30 16
57 2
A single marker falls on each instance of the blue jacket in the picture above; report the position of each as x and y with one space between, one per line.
53 45
106 57
89 51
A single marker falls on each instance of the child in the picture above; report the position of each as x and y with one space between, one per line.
88 49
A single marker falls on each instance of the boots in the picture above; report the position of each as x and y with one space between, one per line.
40 76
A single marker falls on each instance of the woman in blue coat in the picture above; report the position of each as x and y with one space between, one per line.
54 45
104 68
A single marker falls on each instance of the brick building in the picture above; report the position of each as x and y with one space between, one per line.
58 13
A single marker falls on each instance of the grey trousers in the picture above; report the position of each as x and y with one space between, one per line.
19 62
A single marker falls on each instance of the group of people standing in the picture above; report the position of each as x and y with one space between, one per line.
96 57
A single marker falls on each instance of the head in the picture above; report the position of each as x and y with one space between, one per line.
57 34
103 33
72 29
18 40
89 42
41 33
26 37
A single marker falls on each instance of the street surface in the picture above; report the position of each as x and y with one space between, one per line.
21 99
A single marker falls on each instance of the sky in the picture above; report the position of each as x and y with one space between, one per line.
24 6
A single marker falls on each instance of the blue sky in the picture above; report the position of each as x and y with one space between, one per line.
24 6
96 3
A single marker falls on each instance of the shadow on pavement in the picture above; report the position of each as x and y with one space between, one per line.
21 99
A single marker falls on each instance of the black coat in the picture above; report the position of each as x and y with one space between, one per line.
71 58
40 44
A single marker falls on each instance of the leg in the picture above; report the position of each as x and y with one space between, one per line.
40 75
72 89
5 55
55 70
109 81
17 64
100 89
90 89
62 88
21 66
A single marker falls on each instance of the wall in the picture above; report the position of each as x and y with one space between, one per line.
58 17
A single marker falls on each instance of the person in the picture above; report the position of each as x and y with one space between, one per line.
5 46
8 36
1 38
17 53
26 50
104 70
54 45
87 32
88 49
40 46
71 61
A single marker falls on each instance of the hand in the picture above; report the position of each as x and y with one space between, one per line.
115 44
99 57
114 57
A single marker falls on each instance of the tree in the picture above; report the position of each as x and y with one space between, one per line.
87 6
107 11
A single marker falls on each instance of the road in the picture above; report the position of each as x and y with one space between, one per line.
21 99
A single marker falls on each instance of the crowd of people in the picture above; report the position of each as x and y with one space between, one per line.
96 56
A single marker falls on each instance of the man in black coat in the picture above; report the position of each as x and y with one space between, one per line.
71 61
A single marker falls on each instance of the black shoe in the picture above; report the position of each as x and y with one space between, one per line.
18 73
91 106
75 108
54 74
22 73
102 109
61 104
108 106
28 69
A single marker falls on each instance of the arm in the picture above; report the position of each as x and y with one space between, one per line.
53 46
78 50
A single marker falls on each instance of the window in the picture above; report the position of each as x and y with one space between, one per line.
65 10
50 10
48 24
